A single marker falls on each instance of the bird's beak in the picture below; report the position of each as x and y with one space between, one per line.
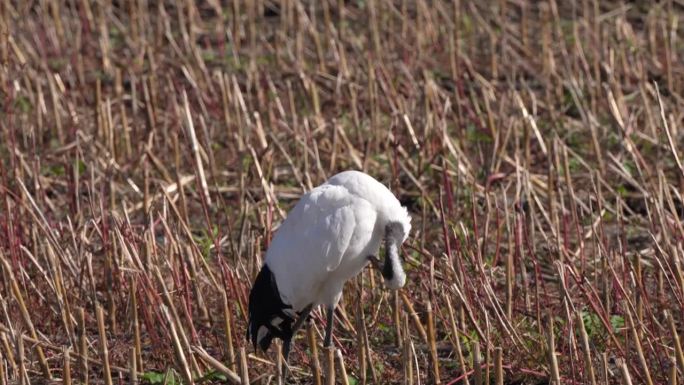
392 271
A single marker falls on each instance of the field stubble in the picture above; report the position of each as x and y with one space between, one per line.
149 149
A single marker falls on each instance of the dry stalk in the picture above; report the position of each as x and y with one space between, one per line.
666 127
456 340
279 363
104 352
136 324
433 345
82 346
133 366
26 317
344 379
498 366
233 377
626 378
330 365
589 368
407 357
315 363
477 368
195 148
551 346
227 325
177 327
9 355
178 347
3 375
360 340
66 366
679 355
20 354
637 342
244 368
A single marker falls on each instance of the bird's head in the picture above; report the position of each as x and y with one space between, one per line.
392 271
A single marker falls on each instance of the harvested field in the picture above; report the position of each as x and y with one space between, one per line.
151 148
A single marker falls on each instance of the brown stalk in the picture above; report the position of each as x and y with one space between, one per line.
344 379
510 284
315 363
9 354
434 359
407 356
487 353
330 376
3 375
227 326
104 352
666 127
456 340
133 365
604 368
26 317
233 377
56 115
396 318
279 362
626 378
20 354
467 309
477 365
414 317
498 366
551 346
589 368
135 323
66 366
195 148
637 342
244 368
186 230
4 40
82 346
679 355
177 319
360 340
110 278
178 347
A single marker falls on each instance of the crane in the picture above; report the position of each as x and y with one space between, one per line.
330 235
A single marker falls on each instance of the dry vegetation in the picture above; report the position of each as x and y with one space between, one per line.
149 149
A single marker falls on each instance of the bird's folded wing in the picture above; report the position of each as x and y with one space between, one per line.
335 220
327 224
336 233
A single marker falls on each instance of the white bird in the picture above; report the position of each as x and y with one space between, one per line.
332 233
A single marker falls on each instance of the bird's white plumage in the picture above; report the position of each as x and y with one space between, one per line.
327 237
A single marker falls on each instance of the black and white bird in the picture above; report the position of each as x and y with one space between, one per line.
332 233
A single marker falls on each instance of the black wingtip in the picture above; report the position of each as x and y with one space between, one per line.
267 316
265 342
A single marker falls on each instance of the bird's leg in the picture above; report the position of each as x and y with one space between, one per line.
286 349
286 354
302 318
287 343
329 327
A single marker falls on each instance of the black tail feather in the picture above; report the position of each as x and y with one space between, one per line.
268 315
